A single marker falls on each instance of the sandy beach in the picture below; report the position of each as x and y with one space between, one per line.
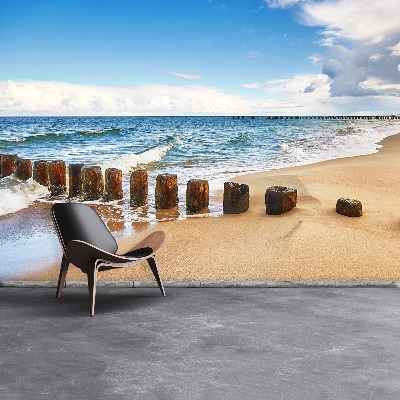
311 242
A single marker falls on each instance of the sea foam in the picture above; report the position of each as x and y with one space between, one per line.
129 161
16 195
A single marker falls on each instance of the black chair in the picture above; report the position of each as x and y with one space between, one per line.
88 244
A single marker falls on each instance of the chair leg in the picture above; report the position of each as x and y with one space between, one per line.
62 276
153 265
92 281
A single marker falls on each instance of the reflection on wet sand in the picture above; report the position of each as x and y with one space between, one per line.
164 215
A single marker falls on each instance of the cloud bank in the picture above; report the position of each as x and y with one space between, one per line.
361 42
60 98
299 95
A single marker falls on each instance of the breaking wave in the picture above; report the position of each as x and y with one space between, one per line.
16 195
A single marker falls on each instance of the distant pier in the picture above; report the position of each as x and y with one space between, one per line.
326 117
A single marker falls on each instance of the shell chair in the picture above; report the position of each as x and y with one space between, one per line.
88 244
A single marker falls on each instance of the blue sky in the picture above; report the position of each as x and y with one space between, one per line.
199 57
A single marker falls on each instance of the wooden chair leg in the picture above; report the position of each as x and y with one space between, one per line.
153 265
92 281
62 276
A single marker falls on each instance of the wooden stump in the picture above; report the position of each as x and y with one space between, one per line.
92 183
280 199
113 184
41 172
139 188
74 179
23 169
197 195
8 163
57 178
349 207
166 194
236 198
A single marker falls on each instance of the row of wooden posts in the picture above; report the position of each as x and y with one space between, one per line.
88 184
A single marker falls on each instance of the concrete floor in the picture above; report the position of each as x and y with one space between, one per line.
237 343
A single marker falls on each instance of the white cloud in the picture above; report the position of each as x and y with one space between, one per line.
254 54
60 98
360 20
376 57
300 95
395 50
303 84
360 38
190 77
377 39
282 3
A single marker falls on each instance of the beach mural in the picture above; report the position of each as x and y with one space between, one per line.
194 117
211 149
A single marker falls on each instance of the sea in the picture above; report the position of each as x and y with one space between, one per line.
211 148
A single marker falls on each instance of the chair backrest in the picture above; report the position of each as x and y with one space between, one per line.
77 221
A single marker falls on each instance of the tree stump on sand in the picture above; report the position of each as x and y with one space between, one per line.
113 189
349 207
280 199
23 169
139 188
57 178
75 180
7 164
41 172
197 195
92 183
166 194
236 198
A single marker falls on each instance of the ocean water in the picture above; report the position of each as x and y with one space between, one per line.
212 148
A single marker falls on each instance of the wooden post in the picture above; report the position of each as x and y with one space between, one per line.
197 195
8 162
23 169
236 198
139 188
92 183
57 178
41 173
113 184
166 194
280 199
74 179
349 207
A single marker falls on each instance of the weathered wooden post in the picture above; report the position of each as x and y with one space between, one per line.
41 172
92 183
57 178
113 184
23 169
8 163
74 180
349 207
197 195
139 188
166 193
280 199
236 198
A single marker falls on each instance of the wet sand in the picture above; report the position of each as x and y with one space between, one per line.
311 242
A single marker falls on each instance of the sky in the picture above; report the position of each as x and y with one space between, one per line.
199 57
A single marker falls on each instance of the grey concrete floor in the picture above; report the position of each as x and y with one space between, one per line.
237 343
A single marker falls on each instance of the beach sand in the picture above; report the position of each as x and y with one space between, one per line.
311 242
